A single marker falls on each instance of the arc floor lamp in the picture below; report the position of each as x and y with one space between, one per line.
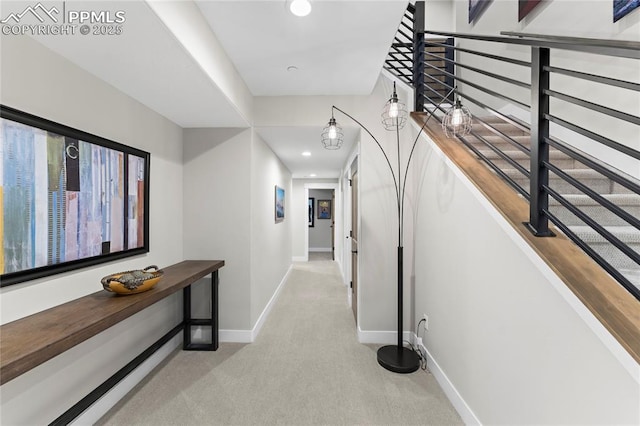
457 121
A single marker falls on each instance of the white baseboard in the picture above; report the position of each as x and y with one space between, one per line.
300 259
235 336
381 337
463 409
92 414
249 336
267 309
320 249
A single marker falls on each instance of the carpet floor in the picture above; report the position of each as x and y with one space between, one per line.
305 368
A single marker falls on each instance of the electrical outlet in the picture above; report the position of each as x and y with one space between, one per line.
426 321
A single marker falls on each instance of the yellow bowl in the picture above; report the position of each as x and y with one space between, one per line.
132 282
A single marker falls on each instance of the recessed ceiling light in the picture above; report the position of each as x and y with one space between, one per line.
306 154
292 68
312 175
300 7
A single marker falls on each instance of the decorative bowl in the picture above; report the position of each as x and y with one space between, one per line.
131 282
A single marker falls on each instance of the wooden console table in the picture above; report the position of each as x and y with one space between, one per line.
33 340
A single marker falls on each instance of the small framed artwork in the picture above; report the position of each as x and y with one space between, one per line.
476 8
526 6
324 209
312 202
279 204
623 7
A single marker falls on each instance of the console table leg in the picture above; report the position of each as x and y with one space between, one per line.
212 322
186 317
214 310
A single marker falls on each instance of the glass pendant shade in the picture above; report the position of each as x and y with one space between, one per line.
394 113
457 121
332 135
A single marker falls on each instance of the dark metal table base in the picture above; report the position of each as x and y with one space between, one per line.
212 322
185 326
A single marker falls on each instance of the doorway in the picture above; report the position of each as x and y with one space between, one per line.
322 224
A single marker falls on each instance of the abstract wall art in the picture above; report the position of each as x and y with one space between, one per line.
526 6
476 7
279 204
324 209
623 7
68 199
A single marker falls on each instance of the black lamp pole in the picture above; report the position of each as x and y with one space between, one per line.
397 358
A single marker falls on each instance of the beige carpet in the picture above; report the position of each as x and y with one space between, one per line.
306 367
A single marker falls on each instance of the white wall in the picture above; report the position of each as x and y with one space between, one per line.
562 18
320 233
514 342
230 179
378 232
36 80
270 241
439 15
217 213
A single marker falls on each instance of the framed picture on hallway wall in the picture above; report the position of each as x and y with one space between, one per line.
312 202
279 204
623 7
324 209
69 199
476 8
526 6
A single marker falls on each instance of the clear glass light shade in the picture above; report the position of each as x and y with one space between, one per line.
332 135
457 121
394 114
300 7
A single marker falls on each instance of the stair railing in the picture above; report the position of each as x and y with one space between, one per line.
518 74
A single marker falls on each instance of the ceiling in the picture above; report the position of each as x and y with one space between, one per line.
290 142
338 49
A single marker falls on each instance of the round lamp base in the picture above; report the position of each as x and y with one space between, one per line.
398 359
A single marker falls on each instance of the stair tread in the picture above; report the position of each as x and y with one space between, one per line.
585 200
522 139
577 173
517 154
627 234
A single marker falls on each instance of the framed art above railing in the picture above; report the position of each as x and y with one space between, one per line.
68 199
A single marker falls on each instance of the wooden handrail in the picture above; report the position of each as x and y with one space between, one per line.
30 341
610 303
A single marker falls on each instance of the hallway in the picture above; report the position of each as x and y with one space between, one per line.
305 367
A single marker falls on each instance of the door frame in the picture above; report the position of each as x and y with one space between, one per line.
337 217
354 288
354 157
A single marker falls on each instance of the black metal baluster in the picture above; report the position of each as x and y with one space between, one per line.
538 221
418 56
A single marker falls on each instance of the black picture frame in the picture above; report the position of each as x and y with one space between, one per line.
312 204
81 199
